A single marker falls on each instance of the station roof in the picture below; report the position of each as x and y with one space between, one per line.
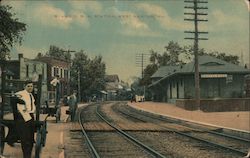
163 71
207 65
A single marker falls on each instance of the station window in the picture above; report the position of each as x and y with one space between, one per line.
56 71
34 68
229 79
61 72
66 74
43 72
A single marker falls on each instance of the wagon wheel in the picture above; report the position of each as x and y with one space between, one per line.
2 136
44 133
38 145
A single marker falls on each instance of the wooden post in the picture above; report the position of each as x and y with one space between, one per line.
3 75
39 93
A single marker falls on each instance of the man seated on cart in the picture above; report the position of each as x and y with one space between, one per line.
72 102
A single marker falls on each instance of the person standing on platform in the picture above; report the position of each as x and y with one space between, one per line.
56 86
25 118
72 105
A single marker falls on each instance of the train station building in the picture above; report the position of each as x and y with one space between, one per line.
219 80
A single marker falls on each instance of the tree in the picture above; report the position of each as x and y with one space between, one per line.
79 65
173 50
91 72
148 72
59 53
11 31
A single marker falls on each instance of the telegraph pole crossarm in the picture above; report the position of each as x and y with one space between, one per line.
196 39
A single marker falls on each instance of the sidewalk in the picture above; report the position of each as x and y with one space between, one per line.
54 147
232 120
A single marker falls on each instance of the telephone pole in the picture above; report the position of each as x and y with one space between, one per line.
78 76
141 60
194 16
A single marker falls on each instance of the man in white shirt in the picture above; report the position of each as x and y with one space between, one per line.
56 86
25 119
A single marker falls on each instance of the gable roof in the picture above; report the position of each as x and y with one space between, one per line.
163 71
207 64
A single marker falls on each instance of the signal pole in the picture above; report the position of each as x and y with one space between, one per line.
196 12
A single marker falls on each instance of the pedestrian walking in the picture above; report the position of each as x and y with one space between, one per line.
25 119
72 105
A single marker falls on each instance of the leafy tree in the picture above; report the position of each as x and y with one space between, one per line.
136 87
148 72
97 73
79 65
234 59
91 72
59 53
173 50
11 31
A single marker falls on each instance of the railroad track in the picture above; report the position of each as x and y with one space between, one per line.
110 141
226 142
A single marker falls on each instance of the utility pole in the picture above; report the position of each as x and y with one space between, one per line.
140 62
195 18
78 75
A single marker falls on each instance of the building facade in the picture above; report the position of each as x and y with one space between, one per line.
58 67
112 86
218 79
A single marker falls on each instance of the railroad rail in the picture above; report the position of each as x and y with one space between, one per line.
197 133
101 142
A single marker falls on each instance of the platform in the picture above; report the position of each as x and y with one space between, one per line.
239 120
57 132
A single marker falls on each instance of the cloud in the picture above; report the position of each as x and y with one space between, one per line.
45 14
80 18
48 15
162 16
129 19
220 20
131 24
132 21
80 9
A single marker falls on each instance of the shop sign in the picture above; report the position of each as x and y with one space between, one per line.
213 75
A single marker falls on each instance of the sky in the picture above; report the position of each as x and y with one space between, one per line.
119 30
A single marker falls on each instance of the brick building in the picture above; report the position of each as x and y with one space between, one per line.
59 67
